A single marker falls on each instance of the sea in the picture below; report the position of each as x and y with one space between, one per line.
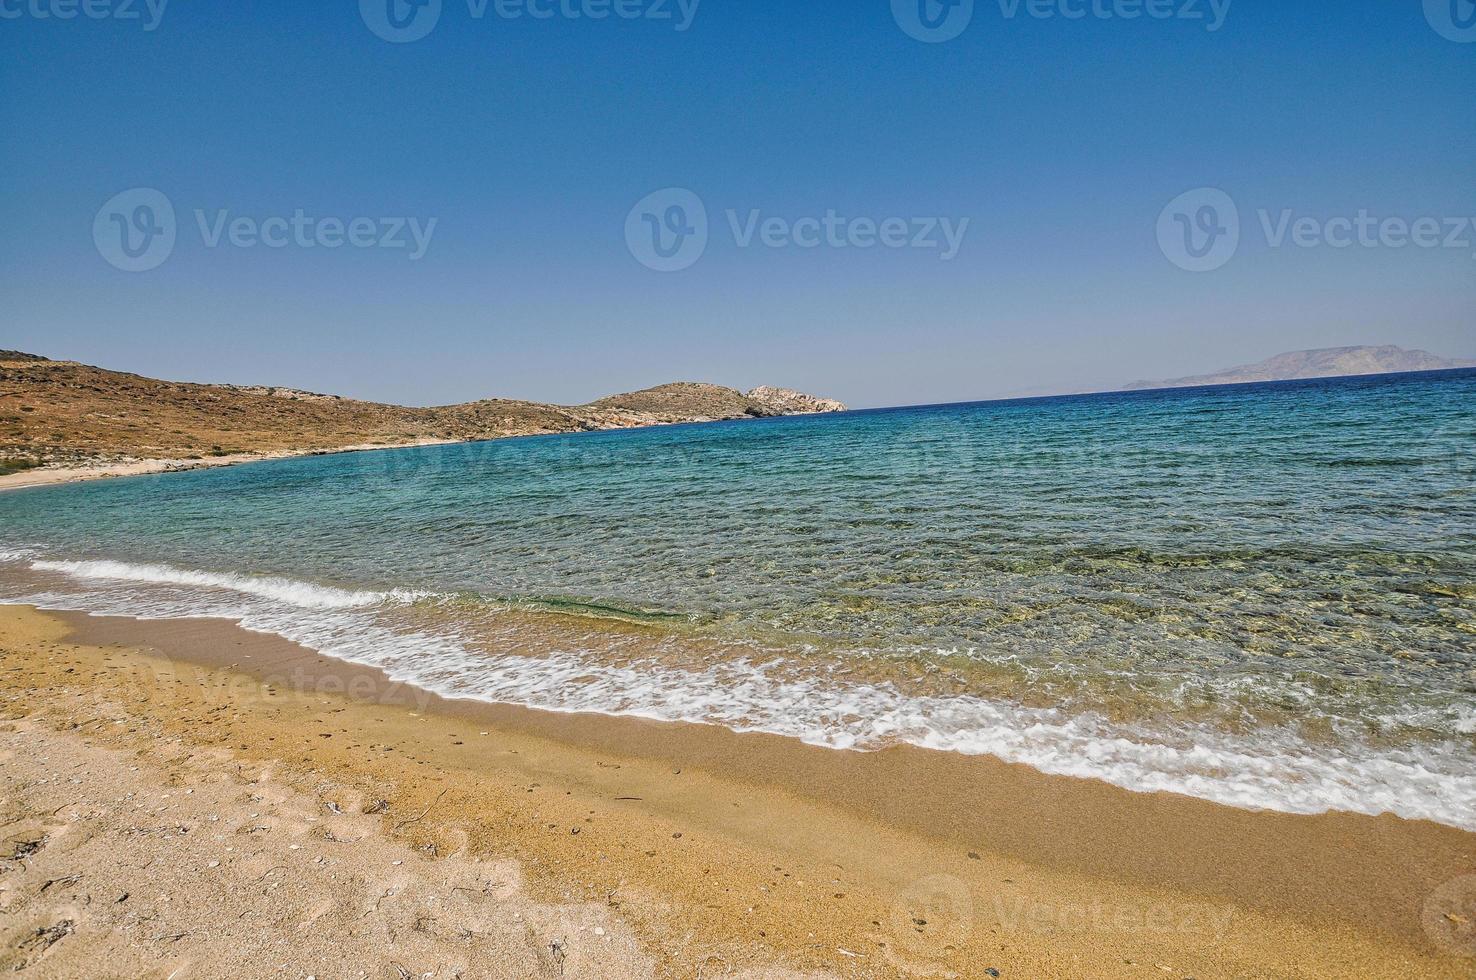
1262 595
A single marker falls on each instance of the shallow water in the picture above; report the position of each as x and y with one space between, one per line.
1263 595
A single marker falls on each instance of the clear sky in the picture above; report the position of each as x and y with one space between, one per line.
529 140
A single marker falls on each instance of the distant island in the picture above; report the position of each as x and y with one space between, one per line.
1327 362
63 415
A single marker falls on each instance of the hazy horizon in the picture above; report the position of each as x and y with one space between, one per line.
1038 163
1020 394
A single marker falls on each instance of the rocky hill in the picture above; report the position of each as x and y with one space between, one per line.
66 413
1329 362
681 401
787 401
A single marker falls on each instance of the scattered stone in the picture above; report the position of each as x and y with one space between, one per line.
49 936
68 880
25 848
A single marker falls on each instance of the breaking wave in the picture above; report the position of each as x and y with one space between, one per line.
1273 768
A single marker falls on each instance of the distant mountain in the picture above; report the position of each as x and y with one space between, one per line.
1328 362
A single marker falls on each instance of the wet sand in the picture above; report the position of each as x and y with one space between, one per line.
723 851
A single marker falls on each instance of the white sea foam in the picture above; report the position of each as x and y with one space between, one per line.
1268 770
304 595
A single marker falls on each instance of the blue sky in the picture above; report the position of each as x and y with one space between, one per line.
529 141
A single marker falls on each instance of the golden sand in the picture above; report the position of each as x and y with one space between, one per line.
696 850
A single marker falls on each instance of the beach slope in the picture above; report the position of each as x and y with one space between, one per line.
188 799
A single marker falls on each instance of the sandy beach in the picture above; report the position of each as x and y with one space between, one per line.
45 476
189 799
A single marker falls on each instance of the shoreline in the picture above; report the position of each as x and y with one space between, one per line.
1305 896
45 476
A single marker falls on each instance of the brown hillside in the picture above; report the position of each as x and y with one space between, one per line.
680 400
57 412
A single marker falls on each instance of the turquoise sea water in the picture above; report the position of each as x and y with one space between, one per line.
1263 595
